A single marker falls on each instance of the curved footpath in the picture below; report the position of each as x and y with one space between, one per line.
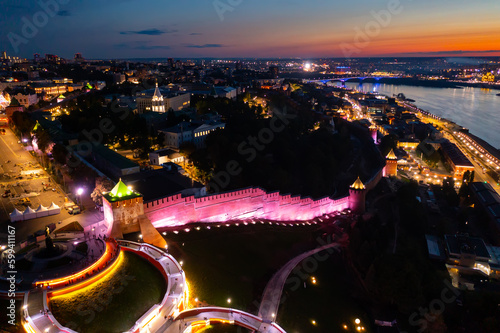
201 317
36 311
271 298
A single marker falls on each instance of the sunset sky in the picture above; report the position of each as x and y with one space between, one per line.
252 28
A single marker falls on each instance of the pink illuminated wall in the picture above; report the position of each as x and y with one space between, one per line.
242 204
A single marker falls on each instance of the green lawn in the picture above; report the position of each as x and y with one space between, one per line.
330 302
236 262
115 303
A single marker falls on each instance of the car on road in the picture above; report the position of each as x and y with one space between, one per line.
74 210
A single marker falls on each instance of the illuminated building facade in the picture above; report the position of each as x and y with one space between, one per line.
488 77
157 103
50 89
26 99
161 100
194 132
456 159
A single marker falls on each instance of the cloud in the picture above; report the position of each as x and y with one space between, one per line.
149 32
205 46
63 13
144 46
195 34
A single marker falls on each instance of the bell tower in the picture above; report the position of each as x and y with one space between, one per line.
157 103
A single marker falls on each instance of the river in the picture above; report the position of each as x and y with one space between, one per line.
474 108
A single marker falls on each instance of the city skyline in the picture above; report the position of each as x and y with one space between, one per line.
156 29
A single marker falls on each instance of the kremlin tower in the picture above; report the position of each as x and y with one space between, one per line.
391 167
357 194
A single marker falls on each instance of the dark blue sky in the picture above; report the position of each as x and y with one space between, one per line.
251 28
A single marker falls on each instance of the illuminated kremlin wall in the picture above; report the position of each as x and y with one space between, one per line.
242 204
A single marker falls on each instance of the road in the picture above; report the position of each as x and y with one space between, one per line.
478 160
21 163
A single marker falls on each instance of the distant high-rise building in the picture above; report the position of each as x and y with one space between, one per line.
171 62
239 66
4 55
79 57
36 58
51 58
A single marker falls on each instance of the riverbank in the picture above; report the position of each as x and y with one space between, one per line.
473 108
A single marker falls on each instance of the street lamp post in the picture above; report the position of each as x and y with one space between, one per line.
79 193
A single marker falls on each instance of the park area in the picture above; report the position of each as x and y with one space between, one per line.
324 302
230 266
114 303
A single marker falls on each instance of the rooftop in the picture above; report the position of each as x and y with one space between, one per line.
455 154
358 185
121 192
391 155
458 244
114 158
157 184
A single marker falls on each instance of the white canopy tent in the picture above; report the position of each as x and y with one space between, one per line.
42 211
54 209
16 215
29 213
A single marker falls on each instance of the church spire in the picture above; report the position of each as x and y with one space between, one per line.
157 103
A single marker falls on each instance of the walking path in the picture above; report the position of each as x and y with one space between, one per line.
198 318
271 298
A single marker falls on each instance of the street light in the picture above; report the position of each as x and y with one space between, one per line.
79 193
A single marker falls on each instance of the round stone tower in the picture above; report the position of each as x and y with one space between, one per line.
357 194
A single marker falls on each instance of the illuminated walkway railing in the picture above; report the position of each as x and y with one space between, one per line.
176 296
110 254
36 311
199 318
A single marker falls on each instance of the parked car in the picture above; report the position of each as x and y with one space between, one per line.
24 201
74 210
